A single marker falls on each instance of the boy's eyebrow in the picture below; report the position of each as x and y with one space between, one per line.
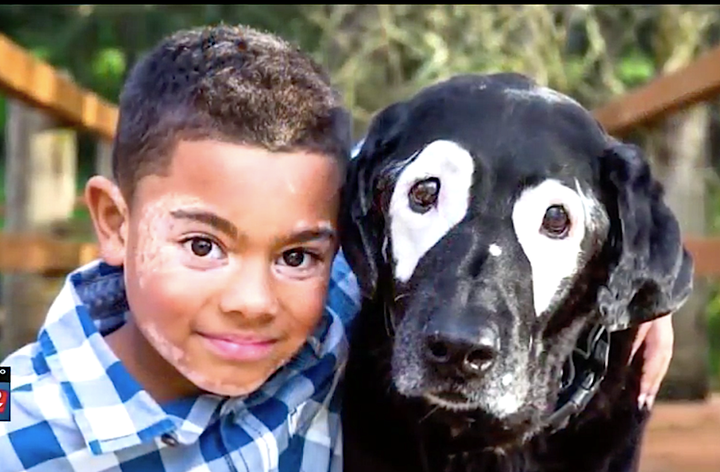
312 234
227 227
208 218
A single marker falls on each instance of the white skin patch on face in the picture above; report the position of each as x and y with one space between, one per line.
322 225
495 250
179 359
154 252
551 259
414 233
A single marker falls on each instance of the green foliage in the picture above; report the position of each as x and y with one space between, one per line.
636 69
108 69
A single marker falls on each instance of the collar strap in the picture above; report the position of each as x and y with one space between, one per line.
583 372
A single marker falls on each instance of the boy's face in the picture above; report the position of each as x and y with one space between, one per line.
227 259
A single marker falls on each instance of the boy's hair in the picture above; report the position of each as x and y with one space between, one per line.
225 83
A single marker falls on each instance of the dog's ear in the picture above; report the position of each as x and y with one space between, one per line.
362 226
653 274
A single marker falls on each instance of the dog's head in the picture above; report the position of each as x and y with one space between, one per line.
496 219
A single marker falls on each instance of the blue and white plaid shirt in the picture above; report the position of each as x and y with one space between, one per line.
76 408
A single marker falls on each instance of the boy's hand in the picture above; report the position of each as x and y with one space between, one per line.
658 337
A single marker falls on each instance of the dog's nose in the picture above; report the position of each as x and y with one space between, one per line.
470 355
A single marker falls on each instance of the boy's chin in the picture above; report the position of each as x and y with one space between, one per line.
241 385
226 379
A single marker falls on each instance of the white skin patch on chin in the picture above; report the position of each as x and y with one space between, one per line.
551 260
413 233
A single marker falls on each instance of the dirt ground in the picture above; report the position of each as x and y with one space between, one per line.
683 437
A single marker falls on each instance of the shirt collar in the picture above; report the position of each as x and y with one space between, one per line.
92 303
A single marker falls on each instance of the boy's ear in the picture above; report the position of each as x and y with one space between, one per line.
109 213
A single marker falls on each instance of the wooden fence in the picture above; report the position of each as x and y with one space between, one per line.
35 87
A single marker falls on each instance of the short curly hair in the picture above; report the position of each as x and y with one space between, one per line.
227 83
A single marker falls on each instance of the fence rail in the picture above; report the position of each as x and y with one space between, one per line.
43 86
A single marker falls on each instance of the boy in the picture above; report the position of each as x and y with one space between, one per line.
206 338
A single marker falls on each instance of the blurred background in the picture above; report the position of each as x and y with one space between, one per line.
650 72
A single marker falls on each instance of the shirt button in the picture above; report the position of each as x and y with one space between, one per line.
169 439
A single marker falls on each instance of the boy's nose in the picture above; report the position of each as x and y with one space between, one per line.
249 293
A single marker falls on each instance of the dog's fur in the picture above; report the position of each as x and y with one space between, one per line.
476 270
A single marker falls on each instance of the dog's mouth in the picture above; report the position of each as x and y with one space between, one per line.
474 428
452 401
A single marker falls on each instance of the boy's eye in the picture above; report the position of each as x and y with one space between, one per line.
203 247
299 259
293 258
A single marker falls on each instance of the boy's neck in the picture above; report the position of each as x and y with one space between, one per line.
157 377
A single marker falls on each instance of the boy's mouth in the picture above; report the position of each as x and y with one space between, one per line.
241 348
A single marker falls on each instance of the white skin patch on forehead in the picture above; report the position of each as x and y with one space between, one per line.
551 260
321 225
413 233
542 93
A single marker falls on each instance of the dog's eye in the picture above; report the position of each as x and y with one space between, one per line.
424 195
556 223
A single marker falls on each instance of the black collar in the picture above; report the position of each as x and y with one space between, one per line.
582 374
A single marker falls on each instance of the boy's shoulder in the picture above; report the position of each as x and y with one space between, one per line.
344 297
41 429
70 399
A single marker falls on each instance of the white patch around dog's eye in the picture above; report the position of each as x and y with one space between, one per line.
549 221
430 197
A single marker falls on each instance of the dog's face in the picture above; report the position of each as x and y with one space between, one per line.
497 219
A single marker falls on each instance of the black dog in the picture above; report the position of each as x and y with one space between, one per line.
498 235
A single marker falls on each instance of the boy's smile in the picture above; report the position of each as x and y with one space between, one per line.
227 259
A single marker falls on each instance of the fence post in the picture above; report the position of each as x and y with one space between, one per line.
41 161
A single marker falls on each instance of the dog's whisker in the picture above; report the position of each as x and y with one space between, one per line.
432 410
401 296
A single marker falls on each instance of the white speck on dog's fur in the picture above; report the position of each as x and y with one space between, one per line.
506 380
495 250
